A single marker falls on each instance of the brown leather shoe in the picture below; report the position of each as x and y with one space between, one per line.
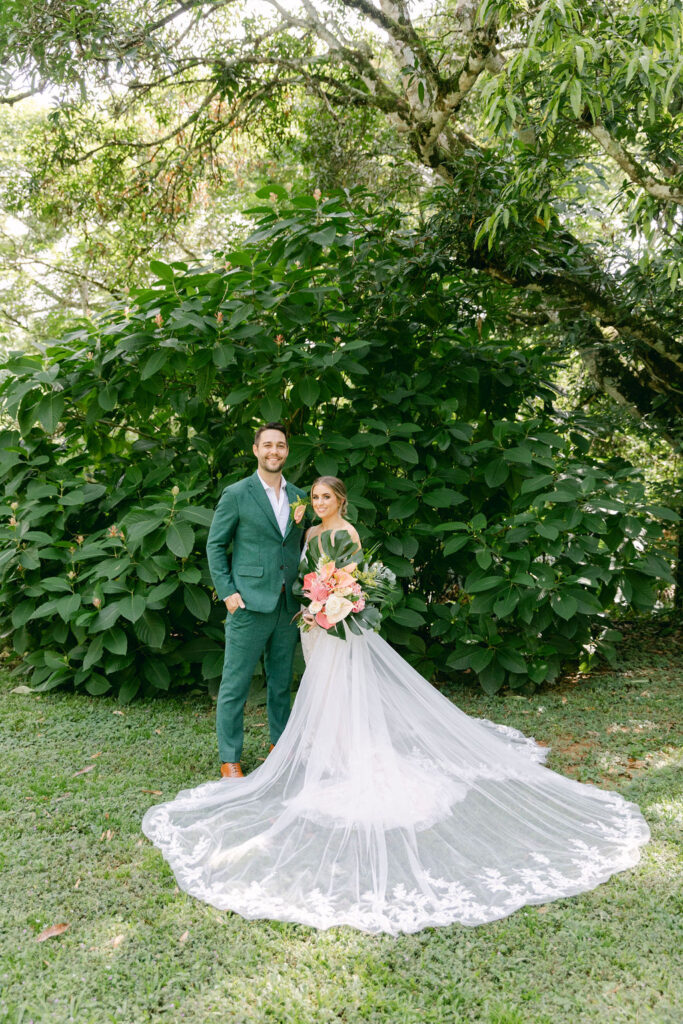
231 770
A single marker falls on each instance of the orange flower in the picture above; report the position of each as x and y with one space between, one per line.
343 580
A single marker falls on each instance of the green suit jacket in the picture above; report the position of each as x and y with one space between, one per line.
262 559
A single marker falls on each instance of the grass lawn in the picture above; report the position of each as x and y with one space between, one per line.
78 773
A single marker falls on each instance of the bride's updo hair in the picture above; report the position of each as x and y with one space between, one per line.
337 488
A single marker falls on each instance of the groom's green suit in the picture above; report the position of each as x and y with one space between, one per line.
264 566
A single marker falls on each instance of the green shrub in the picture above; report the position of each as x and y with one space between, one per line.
513 545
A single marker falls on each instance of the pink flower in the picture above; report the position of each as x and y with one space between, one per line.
314 588
343 580
356 589
318 592
359 605
323 620
328 570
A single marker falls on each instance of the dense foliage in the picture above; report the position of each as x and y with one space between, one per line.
559 123
511 542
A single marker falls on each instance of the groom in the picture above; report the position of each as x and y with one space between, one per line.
254 514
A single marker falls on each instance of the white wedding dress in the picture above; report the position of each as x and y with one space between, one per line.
386 808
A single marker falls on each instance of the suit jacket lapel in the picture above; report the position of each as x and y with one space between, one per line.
291 496
261 499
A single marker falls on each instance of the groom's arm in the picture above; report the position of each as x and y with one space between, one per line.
225 520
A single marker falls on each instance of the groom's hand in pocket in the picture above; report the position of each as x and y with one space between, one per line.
234 602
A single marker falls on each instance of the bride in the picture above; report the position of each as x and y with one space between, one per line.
386 808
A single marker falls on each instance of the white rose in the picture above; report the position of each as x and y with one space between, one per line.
315 607
337 608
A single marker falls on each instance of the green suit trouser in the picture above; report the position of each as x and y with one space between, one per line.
248 635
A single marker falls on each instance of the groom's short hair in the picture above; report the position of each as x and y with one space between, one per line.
271 426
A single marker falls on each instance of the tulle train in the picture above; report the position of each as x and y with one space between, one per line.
386 808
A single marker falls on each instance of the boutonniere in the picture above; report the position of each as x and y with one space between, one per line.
298 509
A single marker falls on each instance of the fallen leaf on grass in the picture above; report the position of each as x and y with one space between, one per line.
184 937
82 771
158 732
154 792
78 882
107 834
118 713
116 941
93 756
49 933
21 689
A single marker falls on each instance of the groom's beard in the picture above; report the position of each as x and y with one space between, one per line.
272 464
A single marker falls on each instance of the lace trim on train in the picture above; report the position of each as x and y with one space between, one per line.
409 910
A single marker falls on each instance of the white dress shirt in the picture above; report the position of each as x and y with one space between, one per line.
280 506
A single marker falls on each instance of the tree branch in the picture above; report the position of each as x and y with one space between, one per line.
18 97
631 167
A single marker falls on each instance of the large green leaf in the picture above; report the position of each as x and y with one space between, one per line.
94 652
49 411
404 507
115 640
325 236
308 390
180 538
406 452
197 601
151 629
196 514
67 606
496 473
155 363
107 397
157 673
564 604
132 606
476 584
444 497
407 617
106 617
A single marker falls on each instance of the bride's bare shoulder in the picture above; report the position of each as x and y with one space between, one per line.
352 531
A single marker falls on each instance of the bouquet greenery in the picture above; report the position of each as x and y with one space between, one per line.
342 586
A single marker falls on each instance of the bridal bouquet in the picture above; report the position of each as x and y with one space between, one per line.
341 590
